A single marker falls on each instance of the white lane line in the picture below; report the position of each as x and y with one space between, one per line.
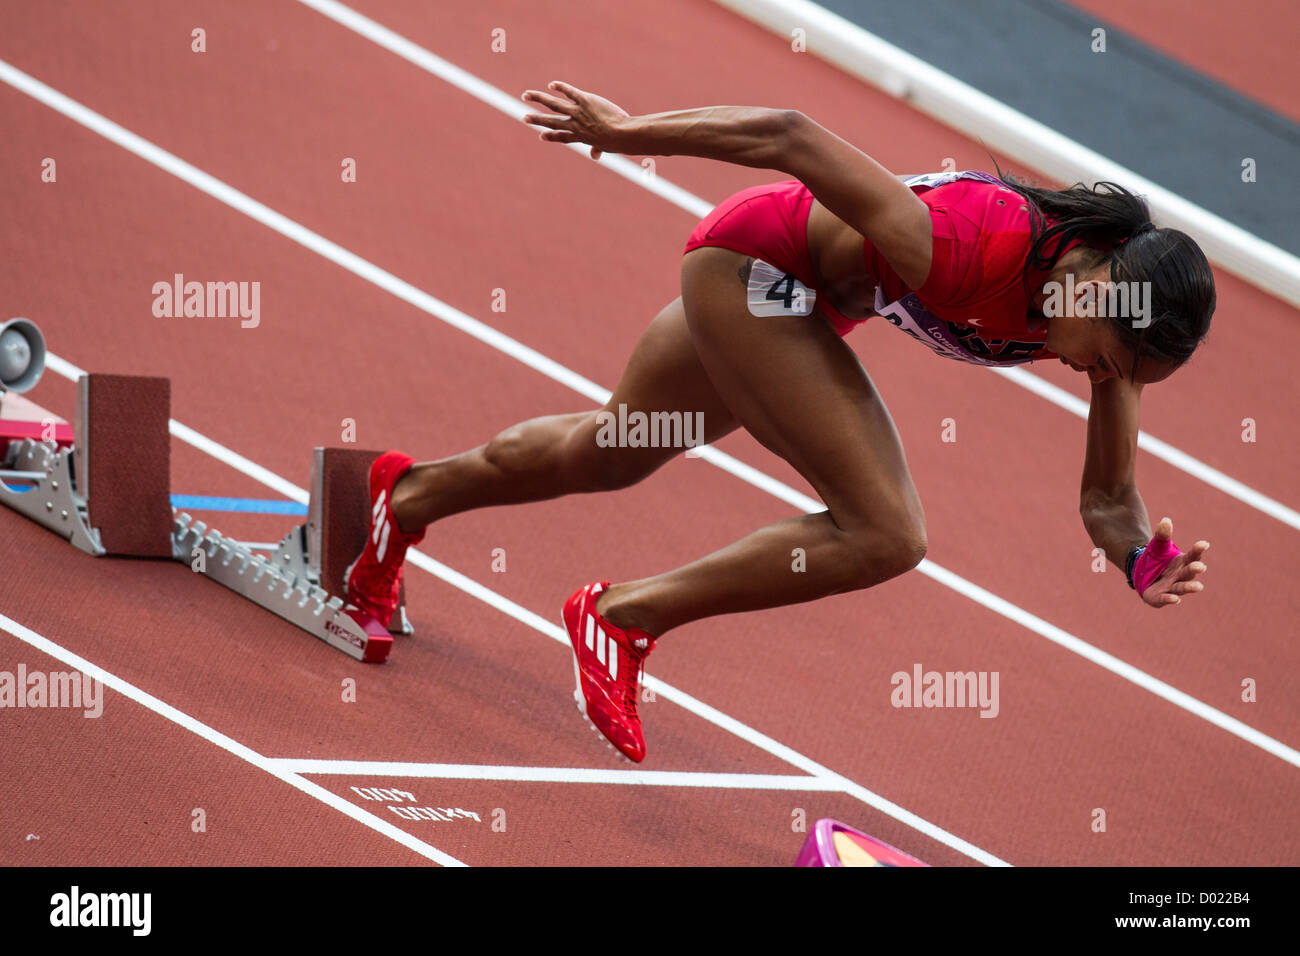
473 588
512 106
828 779
1160 449
1117 666
973 112
648 778
533 359
290 229
203 443
479 330
503 604
714 716
1211 227
215 737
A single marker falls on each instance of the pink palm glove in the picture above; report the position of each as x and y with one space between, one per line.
1162 573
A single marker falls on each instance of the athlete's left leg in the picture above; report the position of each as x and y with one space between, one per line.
558 455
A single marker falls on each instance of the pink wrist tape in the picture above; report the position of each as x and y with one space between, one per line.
1151 563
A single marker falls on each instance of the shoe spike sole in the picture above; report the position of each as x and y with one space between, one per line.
581 701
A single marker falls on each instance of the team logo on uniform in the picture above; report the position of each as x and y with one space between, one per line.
961 342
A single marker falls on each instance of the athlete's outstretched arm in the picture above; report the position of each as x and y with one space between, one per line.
846 180
1109 502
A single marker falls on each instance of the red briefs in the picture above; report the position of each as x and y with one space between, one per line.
973 305
769 223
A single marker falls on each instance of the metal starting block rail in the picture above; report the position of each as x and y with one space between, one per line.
37 481
283 583
50 482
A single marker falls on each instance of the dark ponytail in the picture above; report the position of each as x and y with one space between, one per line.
1116 225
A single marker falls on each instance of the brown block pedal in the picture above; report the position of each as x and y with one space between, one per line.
338 518
123 461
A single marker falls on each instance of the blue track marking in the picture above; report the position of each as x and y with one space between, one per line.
266 506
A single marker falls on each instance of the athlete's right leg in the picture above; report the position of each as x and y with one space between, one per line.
559 454
797 387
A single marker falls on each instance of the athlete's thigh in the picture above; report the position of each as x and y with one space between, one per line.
664 375
794 384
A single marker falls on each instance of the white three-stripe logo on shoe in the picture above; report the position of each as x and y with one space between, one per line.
379 519
606 647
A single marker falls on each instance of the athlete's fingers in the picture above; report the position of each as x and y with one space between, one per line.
550 122
1160 598
1187 571
558 136
554 103
544 122
1198 549
536 119
597 153
561 122
1186 587
1165 530
572 92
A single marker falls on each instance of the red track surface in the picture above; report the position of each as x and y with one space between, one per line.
458 200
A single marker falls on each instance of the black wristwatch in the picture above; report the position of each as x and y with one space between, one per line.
1130 561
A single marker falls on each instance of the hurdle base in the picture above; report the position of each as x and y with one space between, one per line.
282 584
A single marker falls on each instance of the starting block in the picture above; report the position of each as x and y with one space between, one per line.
832 843
119 449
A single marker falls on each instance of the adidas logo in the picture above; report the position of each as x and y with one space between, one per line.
641 643
606 647
379 518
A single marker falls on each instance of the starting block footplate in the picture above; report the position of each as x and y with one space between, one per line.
121 436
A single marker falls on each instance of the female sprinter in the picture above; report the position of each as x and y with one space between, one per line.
969 264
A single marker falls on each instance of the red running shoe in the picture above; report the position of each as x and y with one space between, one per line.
374 579
607 666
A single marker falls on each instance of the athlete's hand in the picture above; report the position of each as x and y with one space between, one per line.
577 117
1179 577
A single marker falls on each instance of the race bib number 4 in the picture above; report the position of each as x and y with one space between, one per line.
773 292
